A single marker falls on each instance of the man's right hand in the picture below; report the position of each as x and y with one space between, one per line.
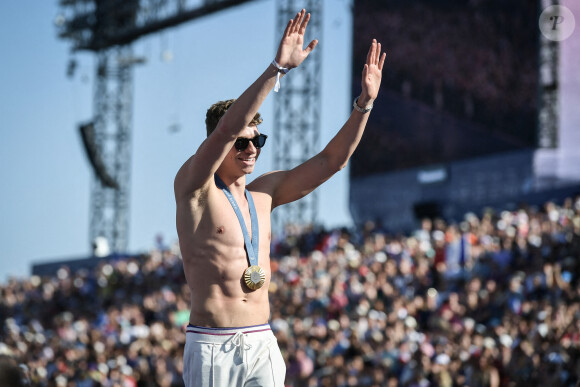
290 52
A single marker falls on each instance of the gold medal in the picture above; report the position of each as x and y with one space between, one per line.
254 277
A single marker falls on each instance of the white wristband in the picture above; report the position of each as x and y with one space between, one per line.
281 70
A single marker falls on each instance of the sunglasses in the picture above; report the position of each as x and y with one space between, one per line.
242 142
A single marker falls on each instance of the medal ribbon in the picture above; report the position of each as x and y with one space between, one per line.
252 246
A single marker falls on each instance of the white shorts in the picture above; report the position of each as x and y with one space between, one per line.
245 356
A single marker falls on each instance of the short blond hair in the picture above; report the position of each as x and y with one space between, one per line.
217 111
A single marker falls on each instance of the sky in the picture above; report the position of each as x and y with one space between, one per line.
45 177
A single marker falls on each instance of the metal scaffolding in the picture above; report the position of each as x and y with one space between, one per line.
297 115
548 113
108 28
113 99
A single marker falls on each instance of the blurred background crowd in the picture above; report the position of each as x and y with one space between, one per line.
492 300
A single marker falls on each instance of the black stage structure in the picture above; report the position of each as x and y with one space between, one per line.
469 114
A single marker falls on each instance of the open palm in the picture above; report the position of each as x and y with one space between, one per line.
373 70
291 52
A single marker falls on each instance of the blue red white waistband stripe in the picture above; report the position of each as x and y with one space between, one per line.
228 331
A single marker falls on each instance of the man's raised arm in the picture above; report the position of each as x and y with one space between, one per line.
199 169
291 54
342 146
287 186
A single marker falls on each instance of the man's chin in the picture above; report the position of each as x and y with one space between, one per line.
248 167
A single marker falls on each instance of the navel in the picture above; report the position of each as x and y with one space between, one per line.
221 230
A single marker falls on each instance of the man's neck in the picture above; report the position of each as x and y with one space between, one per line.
234 183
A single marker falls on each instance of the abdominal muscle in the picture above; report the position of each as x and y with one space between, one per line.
214 269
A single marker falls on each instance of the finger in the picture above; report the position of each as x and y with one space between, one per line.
369 54
292 24
297 21
311 46
304 24
378 53
373 52
365 72
382 62
288 28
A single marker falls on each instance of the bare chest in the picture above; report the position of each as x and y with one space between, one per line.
215 229
231 225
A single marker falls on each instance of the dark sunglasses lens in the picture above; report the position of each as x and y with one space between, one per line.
259 141
241 143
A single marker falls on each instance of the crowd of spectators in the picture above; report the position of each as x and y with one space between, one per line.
492 300
121 324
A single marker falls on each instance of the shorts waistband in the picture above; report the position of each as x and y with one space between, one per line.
228 331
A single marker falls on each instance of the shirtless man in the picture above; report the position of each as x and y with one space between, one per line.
229 341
